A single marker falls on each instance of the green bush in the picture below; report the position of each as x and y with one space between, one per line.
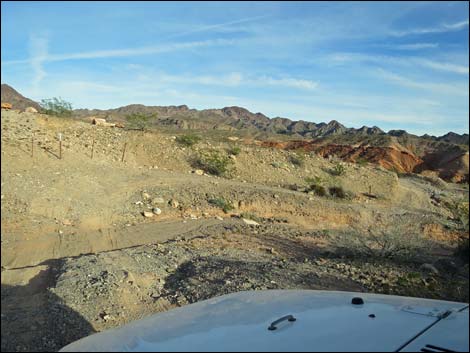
337 191
214 162
318 190
234 150
57 107
252 216
188 140
139 121
221 203
338 169
314 180
362 162
297 160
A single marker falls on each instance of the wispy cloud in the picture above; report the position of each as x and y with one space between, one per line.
147 50
412 46
128 52
237 79
341 58
453 89
217 26
38 52
457 26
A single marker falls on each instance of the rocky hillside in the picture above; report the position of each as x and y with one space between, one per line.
10 95
396 150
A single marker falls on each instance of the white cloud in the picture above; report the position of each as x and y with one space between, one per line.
38 51
412 46
127 52
438 29
443 88
341 58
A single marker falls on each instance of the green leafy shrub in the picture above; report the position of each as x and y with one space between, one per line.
314 180
319 190
234 150
57 107
139 121
338 169
297 160
214 162
337 191
362 162
221 203
252 216
188 140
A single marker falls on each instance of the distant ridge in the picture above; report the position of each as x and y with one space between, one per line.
238 118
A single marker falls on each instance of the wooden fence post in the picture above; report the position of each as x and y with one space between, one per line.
123 152
60 145
92 147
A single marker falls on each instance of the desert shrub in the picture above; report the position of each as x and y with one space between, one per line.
297 160
188 140
139 121
57 107
214 162
337 191
223 204
276 165
314 180
362 162
460 211
394 240
252 216
234 150
338 169
319 190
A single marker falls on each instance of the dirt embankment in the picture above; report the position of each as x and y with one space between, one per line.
450 165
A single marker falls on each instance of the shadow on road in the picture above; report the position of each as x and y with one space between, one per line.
34 319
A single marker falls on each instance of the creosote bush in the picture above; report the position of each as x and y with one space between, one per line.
188 140
221 203
297 160
319 190
337 191
213 162
139 121
338 169
57 107
234 150
392 240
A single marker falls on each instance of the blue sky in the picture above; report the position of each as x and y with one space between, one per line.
395 65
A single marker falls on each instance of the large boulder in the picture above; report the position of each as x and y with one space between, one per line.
31 110
102 122
7 106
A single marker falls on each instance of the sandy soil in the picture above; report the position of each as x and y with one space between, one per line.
78 256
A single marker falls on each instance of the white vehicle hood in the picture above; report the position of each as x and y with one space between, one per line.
325 321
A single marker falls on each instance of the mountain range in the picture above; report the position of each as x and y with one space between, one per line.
396 149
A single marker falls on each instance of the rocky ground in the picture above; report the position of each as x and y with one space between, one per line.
84 247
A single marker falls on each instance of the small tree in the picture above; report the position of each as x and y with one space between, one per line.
188 140
139 121
57 107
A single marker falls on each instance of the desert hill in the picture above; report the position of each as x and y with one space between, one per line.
395 150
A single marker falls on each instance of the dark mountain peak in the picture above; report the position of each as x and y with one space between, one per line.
397 133
365 130
455 138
